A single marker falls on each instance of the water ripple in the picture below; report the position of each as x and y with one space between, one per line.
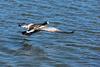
45 49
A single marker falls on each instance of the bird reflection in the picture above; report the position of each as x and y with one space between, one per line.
26 46
30 52
28 49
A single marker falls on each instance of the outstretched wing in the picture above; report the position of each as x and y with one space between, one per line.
51 29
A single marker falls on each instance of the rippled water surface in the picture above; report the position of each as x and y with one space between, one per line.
45 49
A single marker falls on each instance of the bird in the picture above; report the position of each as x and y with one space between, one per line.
33 28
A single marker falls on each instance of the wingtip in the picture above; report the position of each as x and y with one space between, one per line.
47 22
25 33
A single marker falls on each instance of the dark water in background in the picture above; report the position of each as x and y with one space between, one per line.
45 49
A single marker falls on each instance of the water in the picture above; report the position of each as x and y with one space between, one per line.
45 49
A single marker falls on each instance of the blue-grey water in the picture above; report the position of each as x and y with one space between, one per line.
46 49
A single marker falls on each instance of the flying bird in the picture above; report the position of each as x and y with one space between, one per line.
32 28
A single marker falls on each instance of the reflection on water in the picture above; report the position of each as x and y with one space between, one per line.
29 55
45 49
